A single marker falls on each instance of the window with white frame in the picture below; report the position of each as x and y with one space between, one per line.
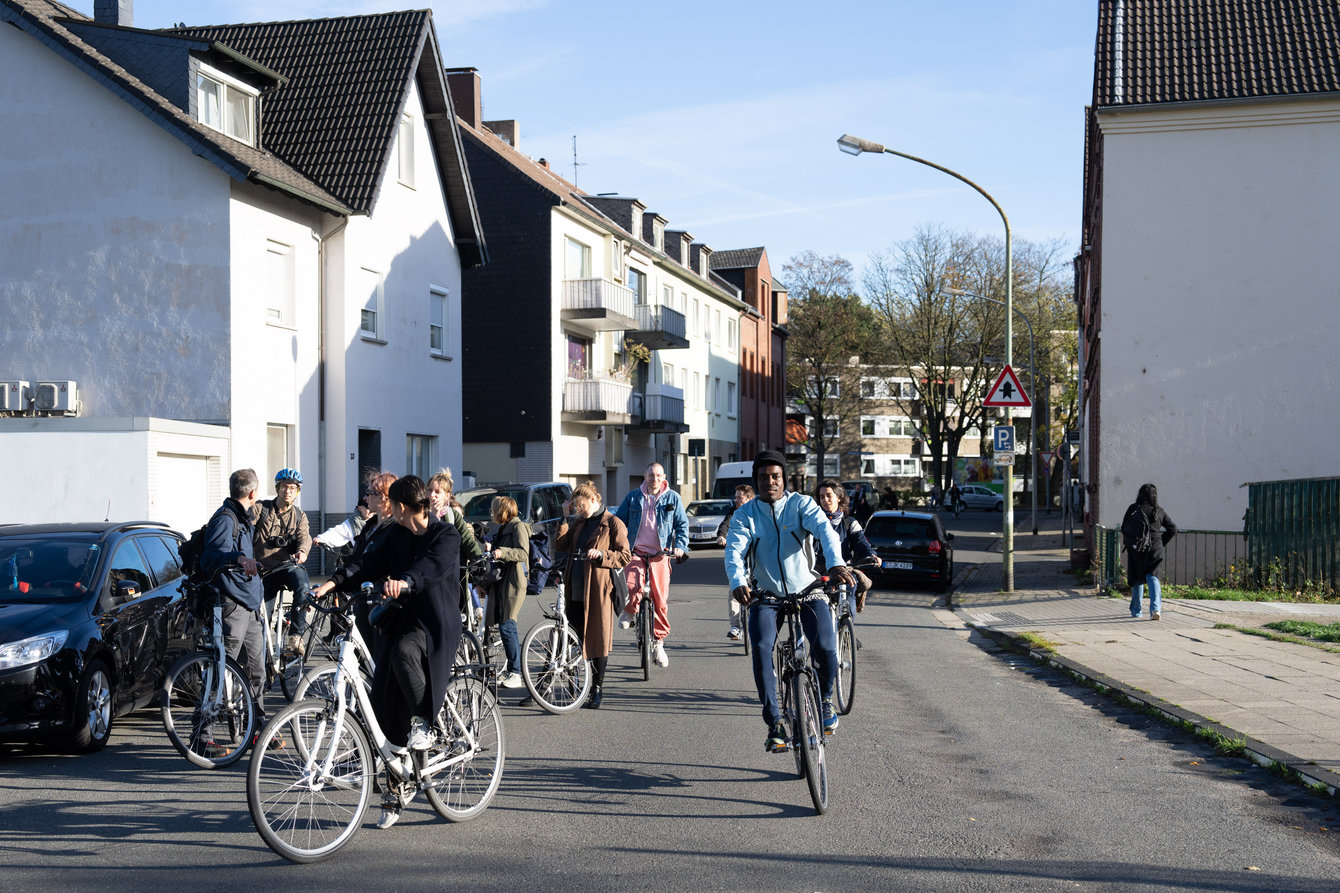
730 399
404 155
716 329
637 284
226 104
616 260
667 373
576 259
420 455
696 396
890 466
667 295
277 453
696 312
730 334
832 466
372 318
438 307
886 426
716 396
280 279
830 427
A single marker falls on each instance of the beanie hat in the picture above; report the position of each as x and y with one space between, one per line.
766 458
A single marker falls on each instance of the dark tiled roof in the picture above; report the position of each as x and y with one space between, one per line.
735 258
1155 51
348 79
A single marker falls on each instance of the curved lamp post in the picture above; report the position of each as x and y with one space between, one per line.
854 145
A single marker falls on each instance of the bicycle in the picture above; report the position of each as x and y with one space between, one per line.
308 801
552 666
798 692
847 645
205 689
281 664
644 620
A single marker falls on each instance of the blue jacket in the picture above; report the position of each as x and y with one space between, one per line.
768 542
228 537
672 524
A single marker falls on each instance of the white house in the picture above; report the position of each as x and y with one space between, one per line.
225 284
1212 203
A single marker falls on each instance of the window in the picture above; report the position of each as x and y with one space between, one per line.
281 306
437 320
405 151
730 399
697 390
716 396
637 284
707 391
832 466
830 427
695 317
420 456
616 260
277 454
579 357
730 335
716 329
373 315
576 260
667 373
886 426
890 466
128 565
161 555
667 295
227 105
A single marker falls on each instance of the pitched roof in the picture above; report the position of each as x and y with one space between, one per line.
1156 51
735 258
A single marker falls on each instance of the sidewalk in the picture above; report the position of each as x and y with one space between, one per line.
1283 698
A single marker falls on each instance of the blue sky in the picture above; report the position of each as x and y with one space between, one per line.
723 116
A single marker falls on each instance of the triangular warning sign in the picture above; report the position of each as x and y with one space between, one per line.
1007 391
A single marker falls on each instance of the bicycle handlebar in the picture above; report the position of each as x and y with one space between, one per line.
828 584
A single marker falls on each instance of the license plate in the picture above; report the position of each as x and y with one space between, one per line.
897 565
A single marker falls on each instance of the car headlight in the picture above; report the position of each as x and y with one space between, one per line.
31 650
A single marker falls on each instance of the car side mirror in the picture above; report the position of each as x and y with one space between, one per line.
949 536
125 590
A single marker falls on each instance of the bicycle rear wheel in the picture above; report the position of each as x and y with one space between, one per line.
302 814
470 651
644 634
462 791
809 737
846 675
209 730
556 674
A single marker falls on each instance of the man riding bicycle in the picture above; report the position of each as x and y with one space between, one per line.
656 522
282 535
767 541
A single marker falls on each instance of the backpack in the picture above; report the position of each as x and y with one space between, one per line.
1137 534
540 563
189 550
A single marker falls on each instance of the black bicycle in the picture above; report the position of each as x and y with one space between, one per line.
643 621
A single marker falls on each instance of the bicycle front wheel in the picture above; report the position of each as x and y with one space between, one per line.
209 715
846 675
644 634
469 651
473 728
301 812
556 674
809 737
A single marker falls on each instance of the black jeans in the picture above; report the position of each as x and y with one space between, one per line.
242 636
409 666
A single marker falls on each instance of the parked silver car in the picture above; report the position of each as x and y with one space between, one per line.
705 516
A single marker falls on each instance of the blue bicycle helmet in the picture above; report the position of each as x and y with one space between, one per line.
288 476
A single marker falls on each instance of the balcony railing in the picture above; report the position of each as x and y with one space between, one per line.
661 408
597 401
660 327
598 305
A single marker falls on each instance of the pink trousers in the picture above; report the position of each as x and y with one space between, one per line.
659 583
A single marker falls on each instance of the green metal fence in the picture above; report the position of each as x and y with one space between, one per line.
1293 528
1192 556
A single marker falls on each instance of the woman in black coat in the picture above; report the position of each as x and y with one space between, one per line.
1142 566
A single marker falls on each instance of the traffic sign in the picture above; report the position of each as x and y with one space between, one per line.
1002 438
1007 391
1003 459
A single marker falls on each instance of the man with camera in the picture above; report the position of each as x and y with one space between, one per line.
282 541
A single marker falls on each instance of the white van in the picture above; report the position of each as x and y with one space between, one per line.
729 476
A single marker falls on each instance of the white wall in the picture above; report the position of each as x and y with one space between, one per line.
1218 354
113 247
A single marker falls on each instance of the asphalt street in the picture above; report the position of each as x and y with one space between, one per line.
962 767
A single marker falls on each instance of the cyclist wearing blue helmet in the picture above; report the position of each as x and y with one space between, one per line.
282 536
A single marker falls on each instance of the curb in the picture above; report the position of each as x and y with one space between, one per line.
1258 752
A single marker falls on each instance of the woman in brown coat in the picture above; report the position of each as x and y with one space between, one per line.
597 546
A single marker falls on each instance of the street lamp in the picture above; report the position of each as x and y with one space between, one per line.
1033 382
854 145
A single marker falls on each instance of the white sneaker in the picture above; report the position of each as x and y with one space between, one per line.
389 818
1154 615
658 654
625 620
479 616
512 680
733 633
420 737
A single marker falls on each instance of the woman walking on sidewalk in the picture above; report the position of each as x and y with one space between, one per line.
1146 529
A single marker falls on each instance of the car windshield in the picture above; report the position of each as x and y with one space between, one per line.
888 528
710 507
479 507
46 569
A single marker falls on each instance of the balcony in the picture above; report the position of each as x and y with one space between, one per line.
661 409
659 328
597 305
596 401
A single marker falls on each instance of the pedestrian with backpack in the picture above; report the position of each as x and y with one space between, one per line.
1145 530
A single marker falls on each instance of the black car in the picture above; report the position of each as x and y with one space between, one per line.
539 505
912 546
91 616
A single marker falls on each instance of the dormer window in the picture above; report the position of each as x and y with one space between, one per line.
226 104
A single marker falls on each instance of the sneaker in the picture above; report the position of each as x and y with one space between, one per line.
479 616
213 750
1154 615
527 701
1137 616
294 645
658 654
420 737
389 818
512 680
830 718
733 634
625 620
776 742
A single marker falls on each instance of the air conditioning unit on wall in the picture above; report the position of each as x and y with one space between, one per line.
14 397
56 398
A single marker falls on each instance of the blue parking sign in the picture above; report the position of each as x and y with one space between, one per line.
1002 438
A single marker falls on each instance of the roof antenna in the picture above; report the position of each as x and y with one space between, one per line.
109 511
575 163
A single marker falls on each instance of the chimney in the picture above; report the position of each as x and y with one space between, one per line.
463 83
544 163
507 131
114 12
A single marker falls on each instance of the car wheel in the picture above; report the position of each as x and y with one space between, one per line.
92 719
1000 506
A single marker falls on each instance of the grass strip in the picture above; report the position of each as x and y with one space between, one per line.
1274 636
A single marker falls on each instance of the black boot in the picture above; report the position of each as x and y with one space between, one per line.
593 699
